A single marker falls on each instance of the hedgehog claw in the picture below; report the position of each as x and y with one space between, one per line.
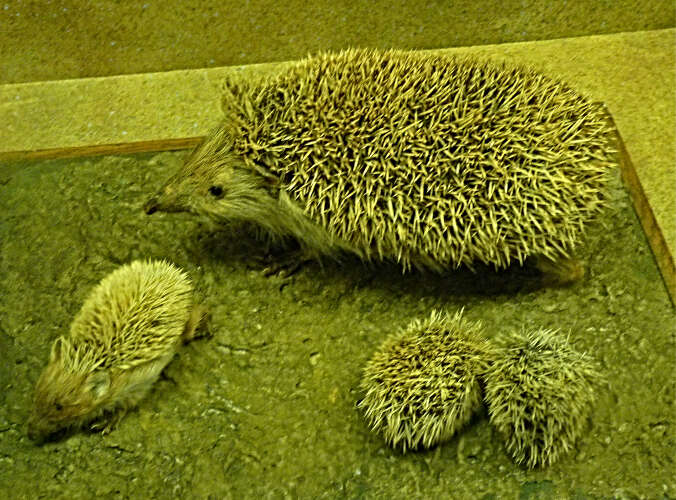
283 266
282 270
106 426
197 325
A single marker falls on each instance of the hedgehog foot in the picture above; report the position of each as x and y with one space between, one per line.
107 424
560 272
282 266
283 270
196 327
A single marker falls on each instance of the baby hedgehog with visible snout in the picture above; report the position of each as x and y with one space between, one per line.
431 161
127 331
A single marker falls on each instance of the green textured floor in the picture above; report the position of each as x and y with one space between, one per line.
266 407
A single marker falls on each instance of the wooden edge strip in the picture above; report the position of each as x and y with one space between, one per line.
646 216
103 149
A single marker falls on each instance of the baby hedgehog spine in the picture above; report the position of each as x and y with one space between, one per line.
428 160
539 393
422 384
127 331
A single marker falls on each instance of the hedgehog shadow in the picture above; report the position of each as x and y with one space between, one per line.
67 433
58 437
474 427
240 244
482 281
244 247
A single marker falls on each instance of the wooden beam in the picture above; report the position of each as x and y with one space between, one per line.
103 149
646 215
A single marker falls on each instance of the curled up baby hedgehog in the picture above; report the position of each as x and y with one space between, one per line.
539 393
422 384
428 160
127 331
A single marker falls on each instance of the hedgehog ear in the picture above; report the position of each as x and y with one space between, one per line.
98 383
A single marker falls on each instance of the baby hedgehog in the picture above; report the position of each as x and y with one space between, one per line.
428 160
422 384
126 332
539 393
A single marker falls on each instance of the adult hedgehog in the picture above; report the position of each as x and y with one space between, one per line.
429 160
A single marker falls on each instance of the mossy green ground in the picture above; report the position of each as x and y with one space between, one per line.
265 408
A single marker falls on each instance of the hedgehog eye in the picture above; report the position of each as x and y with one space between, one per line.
216 191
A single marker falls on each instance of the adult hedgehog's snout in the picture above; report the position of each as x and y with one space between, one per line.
151 206
165 201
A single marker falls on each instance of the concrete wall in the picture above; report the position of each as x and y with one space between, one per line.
47 40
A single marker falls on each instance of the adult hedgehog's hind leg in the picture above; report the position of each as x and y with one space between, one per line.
560 272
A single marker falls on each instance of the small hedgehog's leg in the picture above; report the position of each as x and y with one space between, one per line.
196 325
114 419
559 272
109 421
